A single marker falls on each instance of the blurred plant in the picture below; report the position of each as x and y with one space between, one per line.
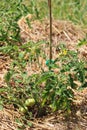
10 12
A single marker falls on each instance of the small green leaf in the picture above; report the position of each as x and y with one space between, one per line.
29 124
18 122
8 76
1 107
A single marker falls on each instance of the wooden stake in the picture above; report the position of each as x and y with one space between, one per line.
50 15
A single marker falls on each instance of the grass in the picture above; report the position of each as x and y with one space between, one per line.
74 10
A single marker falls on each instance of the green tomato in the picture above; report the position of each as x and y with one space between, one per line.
23 110
30 102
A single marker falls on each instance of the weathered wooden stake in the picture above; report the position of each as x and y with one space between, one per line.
50 15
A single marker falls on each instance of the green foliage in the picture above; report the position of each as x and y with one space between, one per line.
83 42
10 12
74 10
49 91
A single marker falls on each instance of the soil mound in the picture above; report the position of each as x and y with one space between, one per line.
62 32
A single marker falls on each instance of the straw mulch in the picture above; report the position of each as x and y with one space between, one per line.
70 34
62 32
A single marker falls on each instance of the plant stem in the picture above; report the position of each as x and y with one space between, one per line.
50 15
